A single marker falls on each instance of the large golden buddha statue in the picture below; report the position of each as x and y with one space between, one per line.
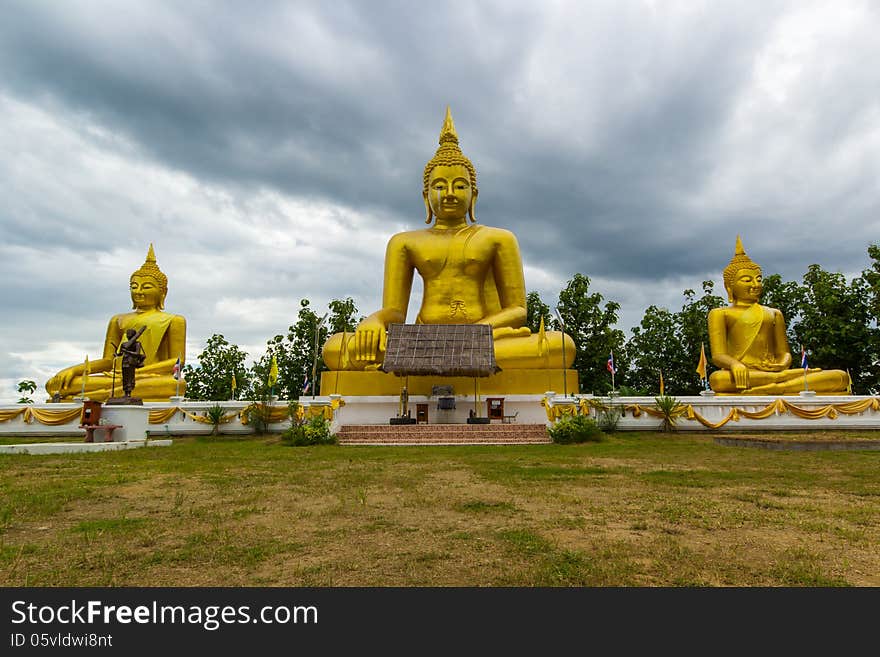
163 341
749 344
471 273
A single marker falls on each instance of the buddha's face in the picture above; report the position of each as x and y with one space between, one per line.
449 191
146 293
747 285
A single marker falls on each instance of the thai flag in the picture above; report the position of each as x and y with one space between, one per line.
803 357
610 364
175 371
306 386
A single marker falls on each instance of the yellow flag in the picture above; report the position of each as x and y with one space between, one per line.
273 373
233 382
661 383
701 366
86 371
543 342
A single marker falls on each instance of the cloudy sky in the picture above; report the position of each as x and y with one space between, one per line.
268 150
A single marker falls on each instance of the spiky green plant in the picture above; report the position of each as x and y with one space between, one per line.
670 410
215 413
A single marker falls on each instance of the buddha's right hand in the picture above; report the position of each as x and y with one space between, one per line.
369 340
740 376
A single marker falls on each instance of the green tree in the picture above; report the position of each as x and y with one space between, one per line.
342 316
535 310
654 345
592 327
870 381
26 388
835 325
671 342
212 378
295 352
692 321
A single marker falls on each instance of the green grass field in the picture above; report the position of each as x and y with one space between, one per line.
643 509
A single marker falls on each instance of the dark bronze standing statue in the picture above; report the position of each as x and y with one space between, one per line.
133 357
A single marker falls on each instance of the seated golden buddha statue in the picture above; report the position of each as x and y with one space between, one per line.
472 274
749 344
163 341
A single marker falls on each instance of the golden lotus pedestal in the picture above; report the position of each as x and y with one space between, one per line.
508 382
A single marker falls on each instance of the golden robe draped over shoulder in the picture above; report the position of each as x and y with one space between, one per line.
745 329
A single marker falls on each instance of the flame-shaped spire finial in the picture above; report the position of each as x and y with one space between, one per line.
447 132
740 260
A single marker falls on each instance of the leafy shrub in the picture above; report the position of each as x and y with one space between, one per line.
258 416
607 414
608 417
575 429
293 411
315 431
629 391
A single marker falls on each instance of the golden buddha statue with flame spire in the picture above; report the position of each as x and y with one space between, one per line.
471 274
163 341
749 344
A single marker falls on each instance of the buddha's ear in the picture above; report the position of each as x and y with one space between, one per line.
729 294
471 214
428 214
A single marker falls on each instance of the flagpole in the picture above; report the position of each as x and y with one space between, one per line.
804 365
613 368
177 392
343 351
318 324
564 373
113 381
86 375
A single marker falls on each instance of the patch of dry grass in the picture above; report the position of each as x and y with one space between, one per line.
635 510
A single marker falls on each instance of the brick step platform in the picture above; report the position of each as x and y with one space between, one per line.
443 434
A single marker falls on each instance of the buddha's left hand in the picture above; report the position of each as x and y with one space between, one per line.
772 365
510 332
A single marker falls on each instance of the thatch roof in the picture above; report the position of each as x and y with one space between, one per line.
440 349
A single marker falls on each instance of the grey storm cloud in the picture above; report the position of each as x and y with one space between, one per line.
630 141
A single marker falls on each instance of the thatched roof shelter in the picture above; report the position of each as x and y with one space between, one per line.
440 350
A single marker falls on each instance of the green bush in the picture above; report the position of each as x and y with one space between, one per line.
629 391
315 431
608 417
292 410
575 429
258 416
607 414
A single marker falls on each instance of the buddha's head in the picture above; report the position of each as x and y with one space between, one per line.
149 285
742 277
450 179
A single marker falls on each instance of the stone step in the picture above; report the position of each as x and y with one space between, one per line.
443 434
